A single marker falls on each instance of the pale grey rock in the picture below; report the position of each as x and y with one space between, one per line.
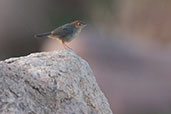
50 83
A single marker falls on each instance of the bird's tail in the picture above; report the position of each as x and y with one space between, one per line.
42 34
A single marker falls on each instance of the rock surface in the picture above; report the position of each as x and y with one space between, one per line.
50 83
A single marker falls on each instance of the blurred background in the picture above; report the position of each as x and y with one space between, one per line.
127 44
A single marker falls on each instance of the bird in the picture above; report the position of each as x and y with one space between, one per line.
65 33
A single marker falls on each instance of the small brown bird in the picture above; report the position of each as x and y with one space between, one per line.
65 33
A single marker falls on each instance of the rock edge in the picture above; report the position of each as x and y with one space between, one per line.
58 82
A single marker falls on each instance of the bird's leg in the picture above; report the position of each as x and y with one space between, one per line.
65 46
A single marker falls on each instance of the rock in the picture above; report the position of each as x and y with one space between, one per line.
50 83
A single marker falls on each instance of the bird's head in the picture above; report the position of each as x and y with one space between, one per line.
79 24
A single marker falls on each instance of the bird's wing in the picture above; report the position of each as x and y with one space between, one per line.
63 32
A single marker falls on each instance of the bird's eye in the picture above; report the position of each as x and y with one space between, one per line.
79 24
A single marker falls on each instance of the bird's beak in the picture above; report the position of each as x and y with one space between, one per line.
84 25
